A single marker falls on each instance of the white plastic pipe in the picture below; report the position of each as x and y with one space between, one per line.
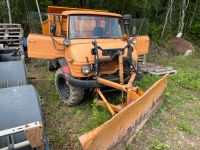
9 12
39 13
18 145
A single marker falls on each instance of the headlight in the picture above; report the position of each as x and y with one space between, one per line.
86 70
133 40
66 42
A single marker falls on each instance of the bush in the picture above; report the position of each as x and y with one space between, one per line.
194 34
154 31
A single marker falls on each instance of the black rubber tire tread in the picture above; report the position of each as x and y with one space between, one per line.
75 93
50 66
140 73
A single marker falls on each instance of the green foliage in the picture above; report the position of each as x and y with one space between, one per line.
185 126
44 4
146 82
194 33
154 31
99 114
188 80
155 144
58 136
155 10
4 12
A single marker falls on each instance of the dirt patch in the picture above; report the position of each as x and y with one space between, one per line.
181 45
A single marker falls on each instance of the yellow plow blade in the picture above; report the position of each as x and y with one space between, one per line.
115 133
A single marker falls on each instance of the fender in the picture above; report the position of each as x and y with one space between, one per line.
64 67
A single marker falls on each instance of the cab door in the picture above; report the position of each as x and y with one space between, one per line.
48 45
142 44
139 28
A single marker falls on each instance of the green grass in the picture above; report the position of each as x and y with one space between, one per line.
179 113
185 126
155 144
99 116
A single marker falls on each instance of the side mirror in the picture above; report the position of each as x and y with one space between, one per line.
53 28
127 18
125 37
133 40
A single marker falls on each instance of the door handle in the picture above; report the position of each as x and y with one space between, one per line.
31 40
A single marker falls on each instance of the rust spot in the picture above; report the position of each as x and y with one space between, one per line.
35 136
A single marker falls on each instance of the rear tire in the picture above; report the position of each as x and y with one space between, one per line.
140 73
69 94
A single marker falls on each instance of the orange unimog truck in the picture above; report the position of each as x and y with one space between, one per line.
91 49
69 40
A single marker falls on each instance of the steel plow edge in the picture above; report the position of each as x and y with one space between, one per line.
116 132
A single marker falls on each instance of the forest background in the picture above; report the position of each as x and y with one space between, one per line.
166 18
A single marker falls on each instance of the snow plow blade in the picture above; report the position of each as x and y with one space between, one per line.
116 132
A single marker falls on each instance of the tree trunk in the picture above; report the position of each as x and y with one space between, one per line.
194 13
169 9
170 13
123 7
182 17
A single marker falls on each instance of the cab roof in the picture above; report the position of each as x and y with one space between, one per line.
79 11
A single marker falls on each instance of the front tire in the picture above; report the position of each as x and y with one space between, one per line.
69 94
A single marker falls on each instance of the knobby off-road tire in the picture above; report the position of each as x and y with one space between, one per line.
69 94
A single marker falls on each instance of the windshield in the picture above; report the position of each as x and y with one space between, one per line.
94 27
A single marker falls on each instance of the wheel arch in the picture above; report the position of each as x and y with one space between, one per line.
64 66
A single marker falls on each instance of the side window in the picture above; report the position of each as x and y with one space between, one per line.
35 24
48 19
139 26
64 26
57 20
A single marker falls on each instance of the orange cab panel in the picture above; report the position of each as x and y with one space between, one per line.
81 48
41 46
142 44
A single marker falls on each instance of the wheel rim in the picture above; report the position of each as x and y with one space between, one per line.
63 88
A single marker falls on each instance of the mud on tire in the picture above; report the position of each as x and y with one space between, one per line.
69 94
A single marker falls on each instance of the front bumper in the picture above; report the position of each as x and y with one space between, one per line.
93 83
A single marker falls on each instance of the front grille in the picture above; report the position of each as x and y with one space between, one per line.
112 52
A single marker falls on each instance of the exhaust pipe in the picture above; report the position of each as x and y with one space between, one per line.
127 22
